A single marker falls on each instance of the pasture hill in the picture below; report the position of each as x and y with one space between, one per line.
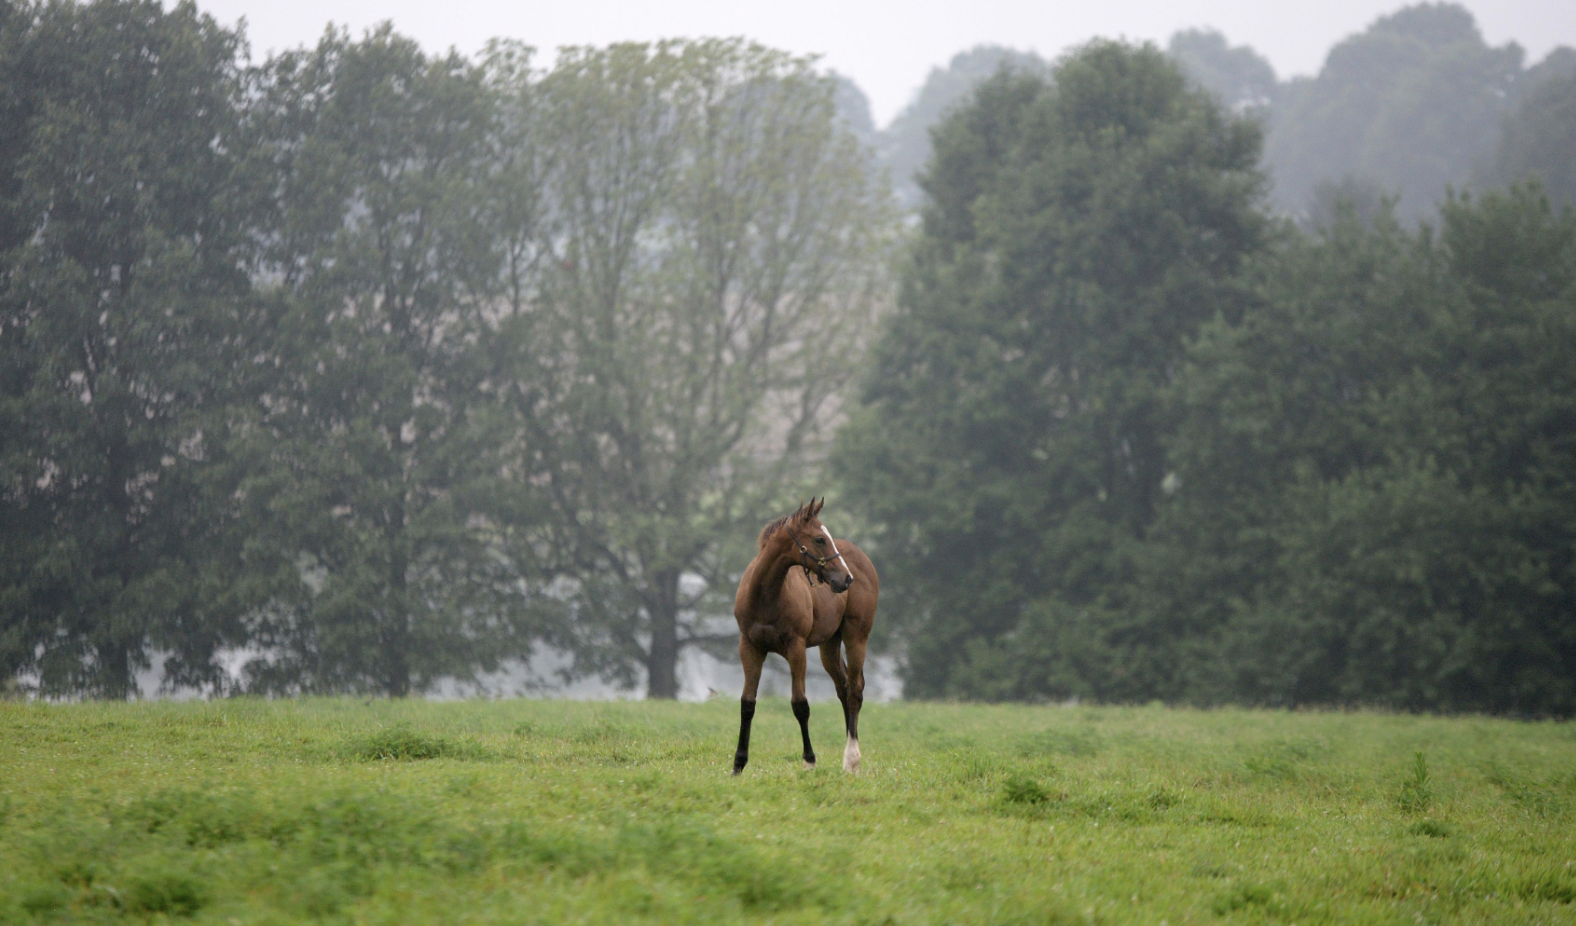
380 811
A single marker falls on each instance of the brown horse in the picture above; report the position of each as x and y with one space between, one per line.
805 589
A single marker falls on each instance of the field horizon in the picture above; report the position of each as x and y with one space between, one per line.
345 810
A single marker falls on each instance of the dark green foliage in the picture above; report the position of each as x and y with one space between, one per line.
296 360
348 358
1078 234
1126 443
1373 466
368 552
125 318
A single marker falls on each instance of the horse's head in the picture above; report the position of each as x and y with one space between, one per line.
817 550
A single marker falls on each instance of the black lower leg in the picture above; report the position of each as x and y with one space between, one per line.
746 714
801 713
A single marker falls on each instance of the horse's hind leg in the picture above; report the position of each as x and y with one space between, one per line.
856 700
832 660
752 659
801 705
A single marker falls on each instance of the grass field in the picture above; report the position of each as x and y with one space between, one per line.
563 812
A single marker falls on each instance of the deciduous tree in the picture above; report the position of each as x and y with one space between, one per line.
124 313
372 558
1375 470
1011 438
712 249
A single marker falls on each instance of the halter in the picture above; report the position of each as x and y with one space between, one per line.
806 557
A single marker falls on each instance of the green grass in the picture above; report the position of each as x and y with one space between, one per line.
559 812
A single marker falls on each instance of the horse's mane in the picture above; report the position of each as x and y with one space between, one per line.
810 510
771 529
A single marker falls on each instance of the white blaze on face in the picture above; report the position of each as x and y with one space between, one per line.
834 550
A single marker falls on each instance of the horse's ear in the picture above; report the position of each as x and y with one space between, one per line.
816 506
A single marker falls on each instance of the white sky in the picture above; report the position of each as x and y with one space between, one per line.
886 46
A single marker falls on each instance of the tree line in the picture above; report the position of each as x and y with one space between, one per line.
1130 433
381 367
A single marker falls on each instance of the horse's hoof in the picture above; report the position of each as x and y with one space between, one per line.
809 765
851 756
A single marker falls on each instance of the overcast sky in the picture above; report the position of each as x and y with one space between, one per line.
886 46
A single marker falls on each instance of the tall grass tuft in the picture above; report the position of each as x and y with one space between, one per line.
1416 796
1023 791
401 744
169 893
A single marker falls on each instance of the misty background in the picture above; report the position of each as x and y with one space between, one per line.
1414 103
886 50
1143 371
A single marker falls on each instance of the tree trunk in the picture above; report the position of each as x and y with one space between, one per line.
399 666
663 659
396 635
116 676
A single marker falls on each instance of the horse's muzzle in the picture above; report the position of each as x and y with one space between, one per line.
841 586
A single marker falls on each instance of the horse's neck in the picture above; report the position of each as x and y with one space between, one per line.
777 560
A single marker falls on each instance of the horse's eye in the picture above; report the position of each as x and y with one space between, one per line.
820 541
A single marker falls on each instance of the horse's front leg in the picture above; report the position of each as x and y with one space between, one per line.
752 660
801 705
